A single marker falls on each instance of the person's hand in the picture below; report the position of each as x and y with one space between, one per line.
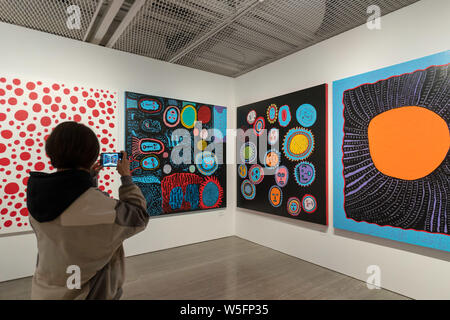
95 169
123 166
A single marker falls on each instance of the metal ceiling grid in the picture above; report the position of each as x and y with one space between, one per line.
277 28
228 37
164 27
48 15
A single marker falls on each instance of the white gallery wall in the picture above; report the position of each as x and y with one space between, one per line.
29 54
409 33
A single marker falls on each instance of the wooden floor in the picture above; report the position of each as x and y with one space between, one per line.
228 268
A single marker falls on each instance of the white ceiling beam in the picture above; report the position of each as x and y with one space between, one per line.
215 31
137 5
97 10
107 19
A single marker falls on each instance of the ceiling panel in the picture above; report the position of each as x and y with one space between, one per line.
228 37
48 15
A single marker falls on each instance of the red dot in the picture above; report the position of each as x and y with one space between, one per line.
55 86
47 99
8 223
2 148
31 86
39 166
55 108
46 121
21 115
4 211
2 92
66 91
37 107
7 134
12 101
33 95
25 181
105 141
63 115
18 92
85 94
2 117
29 142
25 156
110 110
111 125
91 103
11 188
16 82
5 162
95 113
73 99
82 109
31 127
77 118
24 212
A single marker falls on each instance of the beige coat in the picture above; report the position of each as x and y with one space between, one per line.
88 234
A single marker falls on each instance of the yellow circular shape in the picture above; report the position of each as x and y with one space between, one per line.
188 116
201 145
299 144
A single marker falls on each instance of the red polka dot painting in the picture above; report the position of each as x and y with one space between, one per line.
29 110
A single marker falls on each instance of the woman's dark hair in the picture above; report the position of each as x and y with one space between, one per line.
72 145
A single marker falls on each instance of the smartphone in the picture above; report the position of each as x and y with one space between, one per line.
110 159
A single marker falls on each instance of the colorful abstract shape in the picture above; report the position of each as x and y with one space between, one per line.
305 173
298 144
275 196
284 116
306 115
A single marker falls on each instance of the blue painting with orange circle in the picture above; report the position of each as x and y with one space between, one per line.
391 152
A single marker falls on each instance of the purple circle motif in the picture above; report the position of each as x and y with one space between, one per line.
281 176
305 173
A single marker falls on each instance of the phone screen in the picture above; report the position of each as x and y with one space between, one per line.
110 159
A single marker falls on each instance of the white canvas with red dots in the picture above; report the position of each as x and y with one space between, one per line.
29 110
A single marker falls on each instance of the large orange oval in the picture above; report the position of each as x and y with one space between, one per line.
409 142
